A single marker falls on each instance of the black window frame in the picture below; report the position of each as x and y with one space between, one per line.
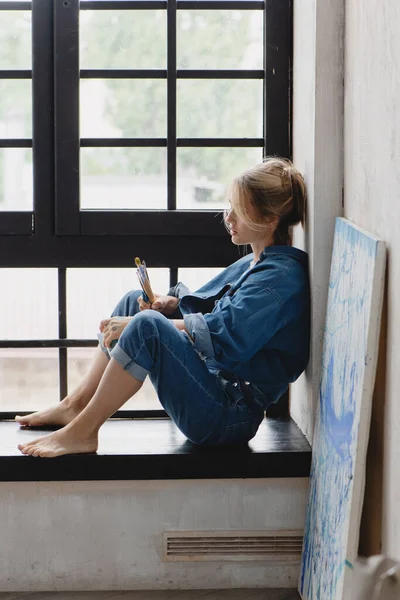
56 233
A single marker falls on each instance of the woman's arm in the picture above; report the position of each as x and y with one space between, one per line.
238 327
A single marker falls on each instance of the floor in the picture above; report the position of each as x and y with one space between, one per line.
266 594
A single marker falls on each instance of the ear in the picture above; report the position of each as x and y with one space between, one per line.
272 221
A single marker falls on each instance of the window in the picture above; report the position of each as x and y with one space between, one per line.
16 176
121 123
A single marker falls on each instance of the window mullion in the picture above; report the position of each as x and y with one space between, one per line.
66 100
43 118
277 62
62 332
171 105
173 276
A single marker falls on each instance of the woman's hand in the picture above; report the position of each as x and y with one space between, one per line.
166 305
112 328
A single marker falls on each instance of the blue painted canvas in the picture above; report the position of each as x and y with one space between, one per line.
343 415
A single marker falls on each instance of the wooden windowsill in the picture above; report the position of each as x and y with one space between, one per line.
155 449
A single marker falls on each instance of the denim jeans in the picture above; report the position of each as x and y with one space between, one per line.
195 398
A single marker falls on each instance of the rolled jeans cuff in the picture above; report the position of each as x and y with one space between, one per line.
128 364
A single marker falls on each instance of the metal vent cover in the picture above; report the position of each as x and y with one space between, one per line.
274 546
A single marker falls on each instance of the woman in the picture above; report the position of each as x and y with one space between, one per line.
236 345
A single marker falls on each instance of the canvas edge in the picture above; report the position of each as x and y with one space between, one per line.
374 327
317 408
372 236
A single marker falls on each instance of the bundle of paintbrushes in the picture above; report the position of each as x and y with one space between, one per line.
147 292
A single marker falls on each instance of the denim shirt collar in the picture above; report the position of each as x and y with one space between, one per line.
290 250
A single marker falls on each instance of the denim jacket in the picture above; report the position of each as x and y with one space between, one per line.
251 324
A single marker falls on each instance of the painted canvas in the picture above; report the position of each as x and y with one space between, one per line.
343 416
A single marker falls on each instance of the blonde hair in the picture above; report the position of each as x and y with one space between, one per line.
275 188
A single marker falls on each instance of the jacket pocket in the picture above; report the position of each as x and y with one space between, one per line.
231 389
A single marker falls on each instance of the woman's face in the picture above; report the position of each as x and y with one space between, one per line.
240 232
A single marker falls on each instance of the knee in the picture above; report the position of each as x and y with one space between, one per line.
128 305
148 323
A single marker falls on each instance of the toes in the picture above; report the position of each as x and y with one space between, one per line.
43 453
24 448
29 421
31 450
28 448
29 444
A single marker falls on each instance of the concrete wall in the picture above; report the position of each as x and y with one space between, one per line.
357 44
318 154
372 200
108 535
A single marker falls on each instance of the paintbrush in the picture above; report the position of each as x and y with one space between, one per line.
144 280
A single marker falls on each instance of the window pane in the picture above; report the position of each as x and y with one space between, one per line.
123 108
129 178
123 39
29 378
29 303
15 40
15 108
220 108
205 173
216 39
16 179
196 278
93 293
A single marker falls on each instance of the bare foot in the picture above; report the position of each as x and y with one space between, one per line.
65 441
60 414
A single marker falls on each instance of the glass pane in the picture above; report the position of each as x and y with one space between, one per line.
79 361
123 178
15 40
15 108
220 39
16 179
93 293
196 278
205 173
29 378
123 39
220 108
123 108
29 303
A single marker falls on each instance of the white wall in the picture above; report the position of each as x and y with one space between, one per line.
318 154
372 200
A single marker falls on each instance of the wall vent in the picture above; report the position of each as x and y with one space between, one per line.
274 545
